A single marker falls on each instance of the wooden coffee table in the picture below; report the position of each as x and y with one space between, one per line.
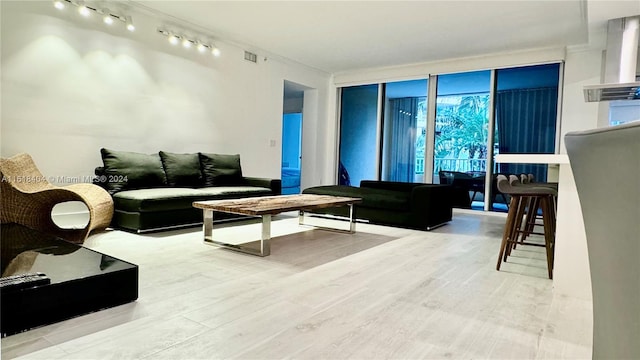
265 207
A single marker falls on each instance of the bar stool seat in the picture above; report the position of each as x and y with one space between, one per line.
522 197
533 205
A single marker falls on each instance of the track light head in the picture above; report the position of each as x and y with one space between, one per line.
215 51
130 27
107 18
173 39
83 10
58 4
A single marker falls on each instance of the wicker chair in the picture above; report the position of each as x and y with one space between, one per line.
27 198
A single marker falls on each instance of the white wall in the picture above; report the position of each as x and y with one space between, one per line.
582 67
71 85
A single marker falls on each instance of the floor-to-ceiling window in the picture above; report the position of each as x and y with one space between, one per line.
358 135
462 120
404 130
467 118
526 111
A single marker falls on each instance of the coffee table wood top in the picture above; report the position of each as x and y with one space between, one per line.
271 205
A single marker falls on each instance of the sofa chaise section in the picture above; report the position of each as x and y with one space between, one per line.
409 205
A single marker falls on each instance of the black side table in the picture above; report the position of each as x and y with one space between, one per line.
70 280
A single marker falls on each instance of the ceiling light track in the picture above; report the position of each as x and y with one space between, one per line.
85 10
202 46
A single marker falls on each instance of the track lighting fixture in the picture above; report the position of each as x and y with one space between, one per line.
187 42
108 17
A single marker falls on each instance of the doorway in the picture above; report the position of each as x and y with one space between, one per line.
291 164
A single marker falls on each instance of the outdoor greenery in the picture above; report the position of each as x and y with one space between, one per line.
462 128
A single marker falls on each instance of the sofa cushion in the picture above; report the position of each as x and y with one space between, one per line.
182 170
165 199
221 169
371 198
130 170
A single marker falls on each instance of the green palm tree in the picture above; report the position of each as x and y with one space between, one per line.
462 127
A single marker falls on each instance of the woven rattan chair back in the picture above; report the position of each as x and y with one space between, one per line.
27 198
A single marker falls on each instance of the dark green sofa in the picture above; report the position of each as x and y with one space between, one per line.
409 205
156 191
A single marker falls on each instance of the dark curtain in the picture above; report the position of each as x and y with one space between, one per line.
526 124
403 139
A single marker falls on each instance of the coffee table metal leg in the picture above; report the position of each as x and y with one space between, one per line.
352 222
207 225
264 247
352 219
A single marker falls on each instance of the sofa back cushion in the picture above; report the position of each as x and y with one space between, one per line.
126 170
221 169
182 170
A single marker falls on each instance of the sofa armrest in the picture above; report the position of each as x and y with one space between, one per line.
274 184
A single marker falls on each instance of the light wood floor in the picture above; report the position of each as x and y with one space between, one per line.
382 293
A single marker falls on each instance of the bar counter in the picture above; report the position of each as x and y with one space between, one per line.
571 269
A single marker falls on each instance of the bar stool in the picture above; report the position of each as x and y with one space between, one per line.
534 204
530 208
520 198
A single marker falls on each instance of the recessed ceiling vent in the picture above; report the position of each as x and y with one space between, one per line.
250 57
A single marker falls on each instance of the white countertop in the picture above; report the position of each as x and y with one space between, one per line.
532 158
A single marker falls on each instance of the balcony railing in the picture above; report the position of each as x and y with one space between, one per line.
453 164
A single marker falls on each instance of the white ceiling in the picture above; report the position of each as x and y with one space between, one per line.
339 36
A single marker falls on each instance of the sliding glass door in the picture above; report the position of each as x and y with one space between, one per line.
404 130
358 135
461 133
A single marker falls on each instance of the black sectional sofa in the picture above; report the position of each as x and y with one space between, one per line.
409 205
156 191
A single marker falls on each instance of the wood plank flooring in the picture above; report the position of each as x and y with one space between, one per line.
382 293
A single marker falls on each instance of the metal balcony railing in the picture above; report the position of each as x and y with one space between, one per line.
453 164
